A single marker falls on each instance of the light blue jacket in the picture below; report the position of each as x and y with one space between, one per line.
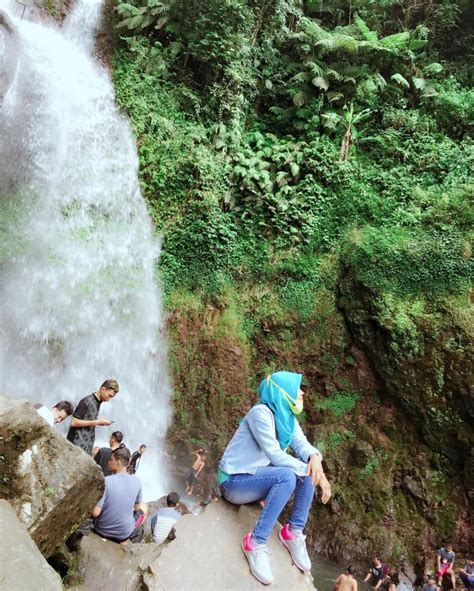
254 445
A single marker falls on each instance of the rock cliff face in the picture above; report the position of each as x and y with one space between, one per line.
393 424
51 484
425 359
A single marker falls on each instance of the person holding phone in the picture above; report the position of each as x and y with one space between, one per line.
86 416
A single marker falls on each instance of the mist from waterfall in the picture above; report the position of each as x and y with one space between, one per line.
79 296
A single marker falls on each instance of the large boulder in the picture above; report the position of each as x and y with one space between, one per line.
51 484
22 566
109 566
205 556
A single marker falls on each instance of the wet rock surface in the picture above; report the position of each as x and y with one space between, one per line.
51 484
22 567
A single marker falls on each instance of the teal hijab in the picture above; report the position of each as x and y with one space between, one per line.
272 392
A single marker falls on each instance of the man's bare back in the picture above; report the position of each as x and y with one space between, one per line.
345 583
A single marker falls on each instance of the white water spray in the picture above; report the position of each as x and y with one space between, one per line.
79 300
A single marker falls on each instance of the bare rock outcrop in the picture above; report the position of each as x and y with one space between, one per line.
22 566
51 484
108 566
205 556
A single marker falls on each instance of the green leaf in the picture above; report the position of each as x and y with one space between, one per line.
281 178
432 69
300 98
429 91
397 41
161 22
127 9
321 82
399 79
331 120
301 77
419 83
334 96
294 169
367 34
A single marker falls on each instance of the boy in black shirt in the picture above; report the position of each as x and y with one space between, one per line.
85 417
135 459
103 455
375 575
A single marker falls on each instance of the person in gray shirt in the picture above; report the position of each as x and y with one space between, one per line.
119 513
256 466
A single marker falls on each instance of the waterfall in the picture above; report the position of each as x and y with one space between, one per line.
78 290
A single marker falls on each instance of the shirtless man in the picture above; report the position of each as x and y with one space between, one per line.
346 582
195 470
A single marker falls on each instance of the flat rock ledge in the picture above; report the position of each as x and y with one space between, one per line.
205 556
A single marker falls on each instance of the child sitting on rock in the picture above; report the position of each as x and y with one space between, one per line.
164 520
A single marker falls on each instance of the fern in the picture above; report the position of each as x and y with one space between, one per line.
320 82
367 34
396 42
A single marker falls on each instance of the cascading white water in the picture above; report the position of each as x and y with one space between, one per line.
78 293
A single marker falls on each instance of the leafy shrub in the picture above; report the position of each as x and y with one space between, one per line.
338 438
370 468
410 261
339 403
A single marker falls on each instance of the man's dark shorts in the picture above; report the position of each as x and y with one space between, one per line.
138 533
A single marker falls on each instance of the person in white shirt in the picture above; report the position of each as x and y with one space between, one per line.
57 414
164 520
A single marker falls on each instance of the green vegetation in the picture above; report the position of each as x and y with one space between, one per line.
310 169
277 133
337 438
339 403
371 466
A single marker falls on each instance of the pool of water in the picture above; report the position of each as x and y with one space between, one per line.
324 573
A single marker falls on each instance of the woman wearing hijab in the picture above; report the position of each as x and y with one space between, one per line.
256 466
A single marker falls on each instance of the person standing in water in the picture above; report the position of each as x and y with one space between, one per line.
86 416
195 470
346 582
256 466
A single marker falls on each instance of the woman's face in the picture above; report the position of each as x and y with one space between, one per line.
300 397
297 407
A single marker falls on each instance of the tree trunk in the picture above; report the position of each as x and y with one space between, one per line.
345 146
259 24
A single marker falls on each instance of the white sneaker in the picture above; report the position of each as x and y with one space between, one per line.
258 557
295 543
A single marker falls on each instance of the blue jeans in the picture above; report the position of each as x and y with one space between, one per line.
468 580
275 485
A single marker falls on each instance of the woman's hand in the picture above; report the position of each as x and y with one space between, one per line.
315 470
